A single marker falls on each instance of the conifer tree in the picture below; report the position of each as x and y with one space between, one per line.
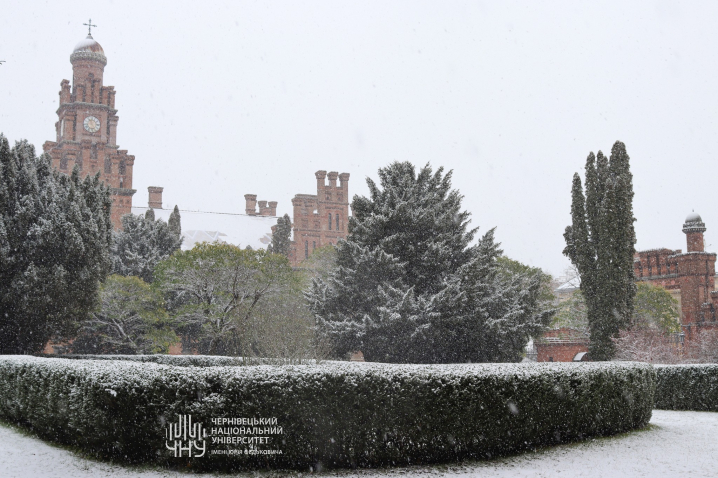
55 235
150 214
281 236
600 243
140 245
408 286
175 222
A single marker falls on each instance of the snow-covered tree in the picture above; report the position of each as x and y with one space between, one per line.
410 287
175 222
130 319
55 235
600 243
141 244
216 290
281 236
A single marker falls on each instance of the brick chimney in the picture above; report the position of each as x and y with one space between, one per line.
251 207
272 208
155 193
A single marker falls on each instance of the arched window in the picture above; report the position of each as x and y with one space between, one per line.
337 222
330 221
108 165
306 249
122 169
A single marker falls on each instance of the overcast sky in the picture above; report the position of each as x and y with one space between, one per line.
220 99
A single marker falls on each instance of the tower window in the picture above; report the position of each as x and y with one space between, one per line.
330 221
122 169
314 245
63 162
306 249
337 222
108 165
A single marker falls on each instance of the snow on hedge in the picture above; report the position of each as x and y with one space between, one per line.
178 360
687 387
339 414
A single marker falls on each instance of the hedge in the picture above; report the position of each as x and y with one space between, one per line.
334 415
687 387
177 360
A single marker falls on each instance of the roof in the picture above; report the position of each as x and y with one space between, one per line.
88 44
569 285
239 229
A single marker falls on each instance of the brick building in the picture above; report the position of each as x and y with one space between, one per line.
320 219
562 345
86 130
689 276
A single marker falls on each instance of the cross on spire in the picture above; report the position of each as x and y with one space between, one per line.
89 26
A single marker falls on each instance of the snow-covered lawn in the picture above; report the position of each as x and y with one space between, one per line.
675 444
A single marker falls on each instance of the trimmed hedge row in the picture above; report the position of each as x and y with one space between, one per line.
687 387
332 415
183 360
177 360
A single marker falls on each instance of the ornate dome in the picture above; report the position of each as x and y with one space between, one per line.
89 44
694 223
694 217
89 49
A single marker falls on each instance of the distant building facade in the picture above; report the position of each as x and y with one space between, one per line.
320 219
86 131
689 277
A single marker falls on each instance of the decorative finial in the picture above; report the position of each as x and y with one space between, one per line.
89 26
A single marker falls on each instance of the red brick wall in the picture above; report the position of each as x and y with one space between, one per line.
559 352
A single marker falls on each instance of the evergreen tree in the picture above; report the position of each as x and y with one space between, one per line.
281 236
150 214
600 243
409 287
55 235
140 245
174 222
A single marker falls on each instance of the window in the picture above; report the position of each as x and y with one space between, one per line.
63 162
337 222
314 245
330 221
122 169
306 249
108 165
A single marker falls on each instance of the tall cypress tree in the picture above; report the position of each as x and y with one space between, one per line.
281 236
175 222
600 243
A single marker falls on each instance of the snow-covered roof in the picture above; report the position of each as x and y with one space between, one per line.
88 44
569 285
238 229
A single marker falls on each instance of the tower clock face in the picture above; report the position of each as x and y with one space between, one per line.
92 124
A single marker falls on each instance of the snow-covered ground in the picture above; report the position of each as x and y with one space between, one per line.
676 444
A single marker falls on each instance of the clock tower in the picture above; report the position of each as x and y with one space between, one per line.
86 133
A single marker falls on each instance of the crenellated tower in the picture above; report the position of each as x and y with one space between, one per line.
320 219
86 131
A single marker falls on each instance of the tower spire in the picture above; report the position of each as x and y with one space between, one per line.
89 26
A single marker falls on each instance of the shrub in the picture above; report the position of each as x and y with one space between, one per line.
331 415
687 387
